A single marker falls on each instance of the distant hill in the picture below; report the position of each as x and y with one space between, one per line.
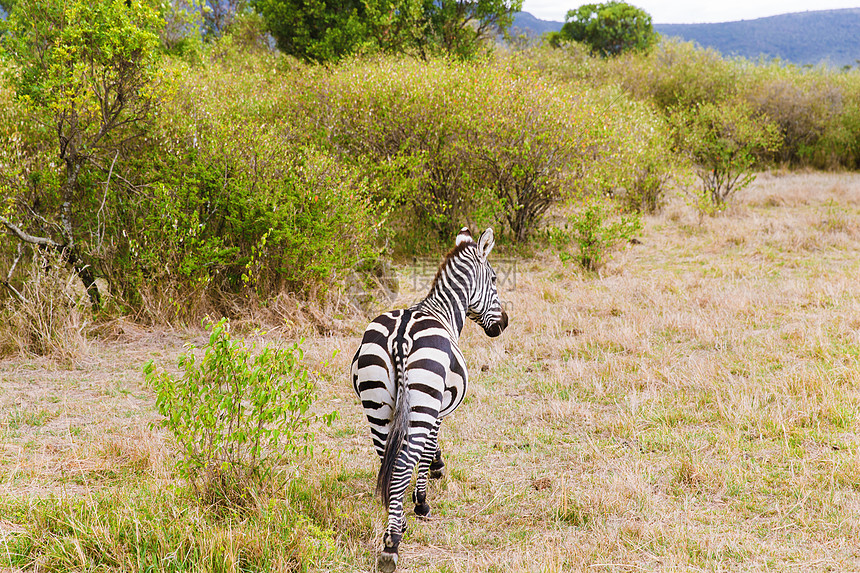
825 36
525 23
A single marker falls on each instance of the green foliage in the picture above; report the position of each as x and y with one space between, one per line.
724 140
81 74
806 106
330 30
227 170
677 74
637 160
318 30
839 144
531 148
452 143
609 29
257 174
815 109
236 416
181 32
596 228
462 28
82 67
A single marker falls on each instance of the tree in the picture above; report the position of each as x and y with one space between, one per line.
329 30
81 72
609 29
724 141
316 30
460 27
219 14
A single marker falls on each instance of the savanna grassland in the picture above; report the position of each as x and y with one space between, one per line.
693 407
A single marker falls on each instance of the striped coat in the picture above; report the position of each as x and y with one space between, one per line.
409 374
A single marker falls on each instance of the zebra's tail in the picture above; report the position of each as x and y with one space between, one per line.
397 432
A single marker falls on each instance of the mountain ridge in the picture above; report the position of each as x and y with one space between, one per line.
830 37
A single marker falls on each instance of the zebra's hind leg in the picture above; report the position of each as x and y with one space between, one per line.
402 474
430 453
437 466
387 561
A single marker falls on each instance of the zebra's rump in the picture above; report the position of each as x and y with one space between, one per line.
434 366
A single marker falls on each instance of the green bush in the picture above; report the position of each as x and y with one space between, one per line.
596 228
839 144
636 161
328 31
801 103
454 143
236 416
82 74
241 201
814 109
531 147
723 141
677 74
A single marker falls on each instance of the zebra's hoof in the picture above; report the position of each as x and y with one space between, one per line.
387 562
422 509
437 472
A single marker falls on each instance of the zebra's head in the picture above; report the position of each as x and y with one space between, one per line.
485 308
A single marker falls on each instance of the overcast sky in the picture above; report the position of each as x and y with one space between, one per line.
686 12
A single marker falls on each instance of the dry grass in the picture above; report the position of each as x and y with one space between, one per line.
695 408
48 321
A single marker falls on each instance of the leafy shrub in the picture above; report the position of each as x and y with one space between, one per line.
227 171
802 104
839 144
723 141
531 147
814 109
181 31
236 416
596 228
677 74
636 161
328 31
83 72
456 143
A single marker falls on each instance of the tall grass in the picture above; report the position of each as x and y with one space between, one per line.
693 407
48 316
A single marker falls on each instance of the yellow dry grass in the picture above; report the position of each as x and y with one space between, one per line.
694 408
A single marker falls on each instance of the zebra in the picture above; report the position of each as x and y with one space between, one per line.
409 374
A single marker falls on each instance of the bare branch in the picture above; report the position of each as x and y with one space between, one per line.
100 214
128 183
26 237
7 283
15 262
44 222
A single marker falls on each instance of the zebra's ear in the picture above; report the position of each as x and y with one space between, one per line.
486 243
464 236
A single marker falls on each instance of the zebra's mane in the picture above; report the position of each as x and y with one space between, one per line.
452 254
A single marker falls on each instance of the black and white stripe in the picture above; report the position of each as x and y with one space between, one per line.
409 374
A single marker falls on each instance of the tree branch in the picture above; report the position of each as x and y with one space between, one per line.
8 282
28 238
128 183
